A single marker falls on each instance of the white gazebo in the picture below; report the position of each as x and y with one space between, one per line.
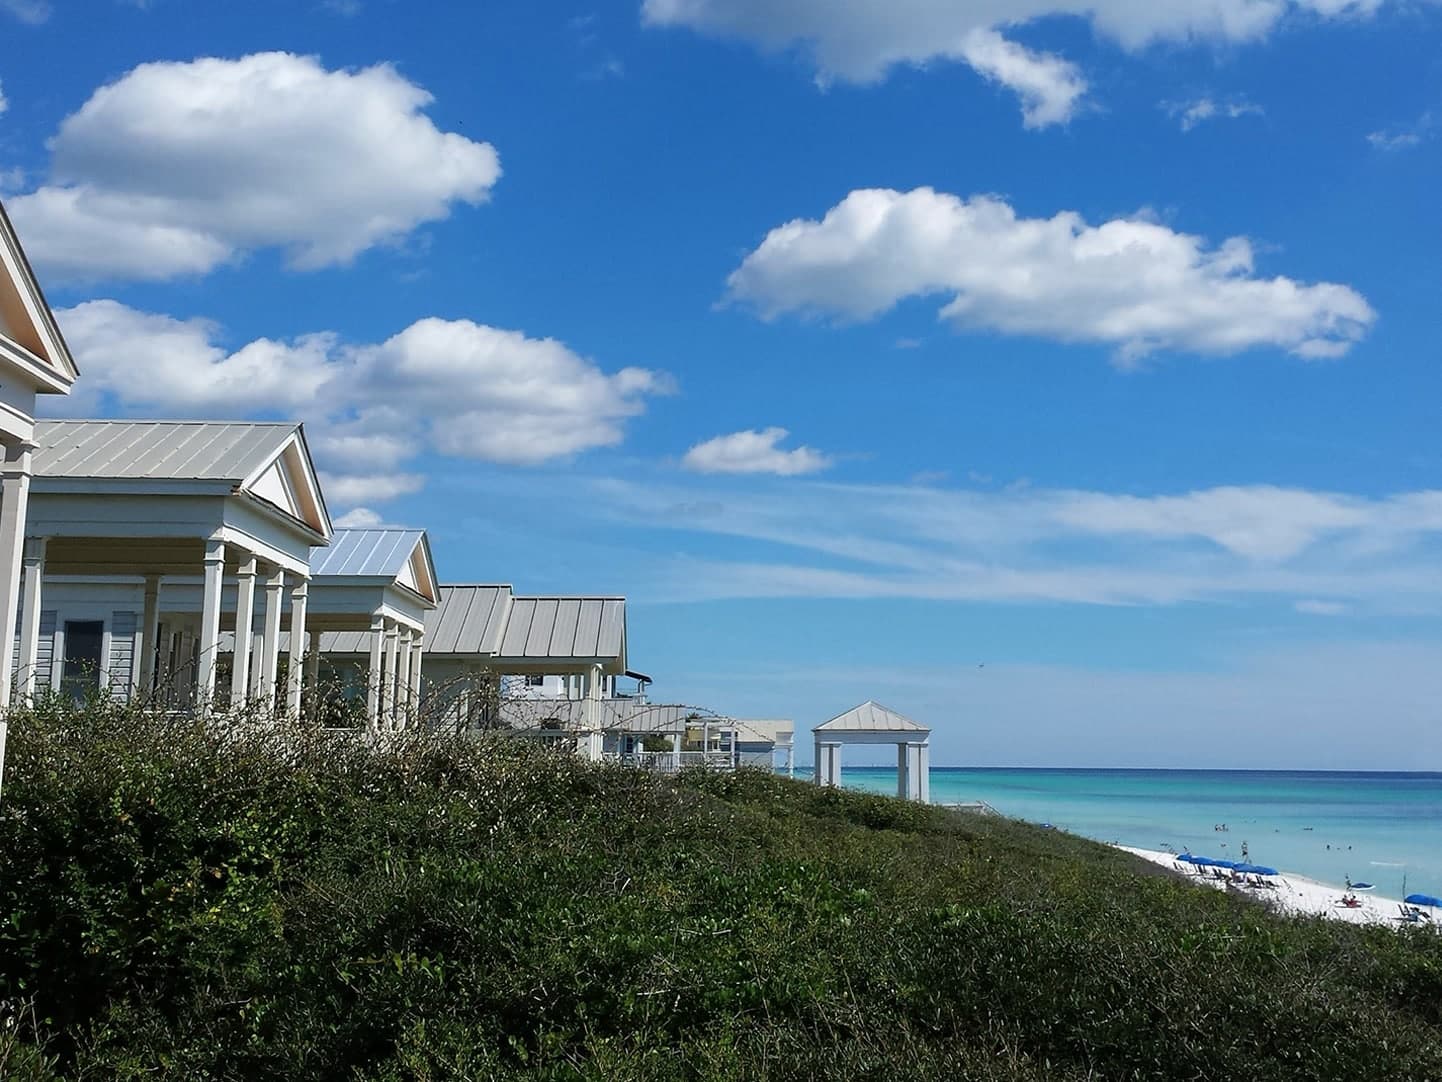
872 723
134 529
34 360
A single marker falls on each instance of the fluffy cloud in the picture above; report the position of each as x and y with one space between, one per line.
816 539
498 395
1048 86
1189 114
3 103
176 168
753 451
1129 283
454 387
861 40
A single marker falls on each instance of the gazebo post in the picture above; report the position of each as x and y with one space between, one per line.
903 770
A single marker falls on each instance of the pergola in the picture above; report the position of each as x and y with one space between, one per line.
144 508
34 360
872 723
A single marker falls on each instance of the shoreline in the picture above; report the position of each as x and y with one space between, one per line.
1296 895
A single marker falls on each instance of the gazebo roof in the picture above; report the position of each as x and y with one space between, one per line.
871 717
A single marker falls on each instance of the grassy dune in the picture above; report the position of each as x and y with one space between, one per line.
192 904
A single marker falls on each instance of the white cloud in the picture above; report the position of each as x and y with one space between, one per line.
1189 114
1129 283
753 451
862 40
176 168
4 104
1405 138
1049 87
450 386
360 518
1314 607
27 11
816 539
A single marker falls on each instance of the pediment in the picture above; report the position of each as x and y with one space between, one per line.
288 483
28 331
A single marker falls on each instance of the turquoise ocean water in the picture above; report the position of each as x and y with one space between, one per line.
1324 825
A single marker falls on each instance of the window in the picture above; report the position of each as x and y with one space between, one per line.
535 681
81 675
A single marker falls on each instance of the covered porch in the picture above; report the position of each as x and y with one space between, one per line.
139 534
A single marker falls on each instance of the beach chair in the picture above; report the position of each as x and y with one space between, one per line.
1409 915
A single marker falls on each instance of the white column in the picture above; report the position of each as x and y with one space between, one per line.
295 671
924 773
818 770
593 712
791 758
270 650
14 501
374 677
391 686
403 678
678 742
903 770
150 636
244 618
30 618
835 766
210 623
417 652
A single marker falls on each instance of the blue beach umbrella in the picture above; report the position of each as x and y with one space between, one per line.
1255 869
1423 899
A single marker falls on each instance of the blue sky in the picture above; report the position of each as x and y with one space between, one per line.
1062 375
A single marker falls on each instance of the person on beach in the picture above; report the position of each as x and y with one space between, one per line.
1244 852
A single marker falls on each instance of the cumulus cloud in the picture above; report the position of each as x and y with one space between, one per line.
1407 137
360 518
449 386
1049 87
1189 114
861 40
1129 283
176 168
753 451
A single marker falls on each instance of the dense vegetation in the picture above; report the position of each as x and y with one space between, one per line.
279 904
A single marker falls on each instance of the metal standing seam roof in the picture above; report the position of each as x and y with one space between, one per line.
365 553
467 620
565 627
871 717
157 450
488 622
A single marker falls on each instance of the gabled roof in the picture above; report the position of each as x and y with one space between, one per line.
871 717
266 460
546 628
29 335
399 556
468 620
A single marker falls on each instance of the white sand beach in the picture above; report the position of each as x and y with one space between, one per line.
1296 894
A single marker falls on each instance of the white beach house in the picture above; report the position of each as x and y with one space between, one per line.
34 360
147 539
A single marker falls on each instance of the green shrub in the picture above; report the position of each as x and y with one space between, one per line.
257 901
